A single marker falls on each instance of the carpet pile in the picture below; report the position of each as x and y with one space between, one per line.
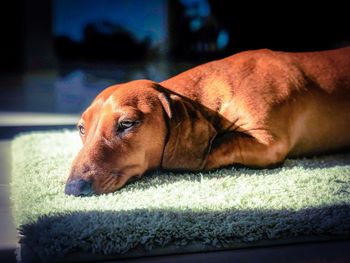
307 197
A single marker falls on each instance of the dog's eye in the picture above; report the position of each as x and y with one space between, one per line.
81 129
127 124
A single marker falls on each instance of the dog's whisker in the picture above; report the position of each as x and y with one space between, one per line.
108 186
107 181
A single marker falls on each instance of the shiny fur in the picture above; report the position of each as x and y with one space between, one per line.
254 108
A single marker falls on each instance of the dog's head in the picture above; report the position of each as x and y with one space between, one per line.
132 128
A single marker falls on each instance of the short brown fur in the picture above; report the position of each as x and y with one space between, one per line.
254 108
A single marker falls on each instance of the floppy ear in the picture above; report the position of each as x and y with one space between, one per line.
190 135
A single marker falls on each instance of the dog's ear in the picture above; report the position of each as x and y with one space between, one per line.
165 101
190 135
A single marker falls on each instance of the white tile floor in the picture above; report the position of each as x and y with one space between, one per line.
8 240
11 119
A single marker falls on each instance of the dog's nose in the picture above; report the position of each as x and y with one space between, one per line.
79 187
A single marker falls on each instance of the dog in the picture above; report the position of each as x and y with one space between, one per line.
254 108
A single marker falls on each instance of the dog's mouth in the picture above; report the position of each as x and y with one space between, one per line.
109 183
99 184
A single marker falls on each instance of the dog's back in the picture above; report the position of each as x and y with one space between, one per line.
309 90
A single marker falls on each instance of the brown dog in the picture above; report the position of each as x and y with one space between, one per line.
254 108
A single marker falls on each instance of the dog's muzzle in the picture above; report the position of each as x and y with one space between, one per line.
79 187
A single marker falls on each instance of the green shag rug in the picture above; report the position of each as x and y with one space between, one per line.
228 208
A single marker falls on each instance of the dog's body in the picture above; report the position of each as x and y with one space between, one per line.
288 104
254 108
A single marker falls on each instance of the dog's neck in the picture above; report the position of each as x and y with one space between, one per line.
186 84
193 87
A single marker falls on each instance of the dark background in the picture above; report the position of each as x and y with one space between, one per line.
28 40
57 55
54 52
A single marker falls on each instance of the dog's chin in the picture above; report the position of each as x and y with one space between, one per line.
112 181
106 184
133 179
